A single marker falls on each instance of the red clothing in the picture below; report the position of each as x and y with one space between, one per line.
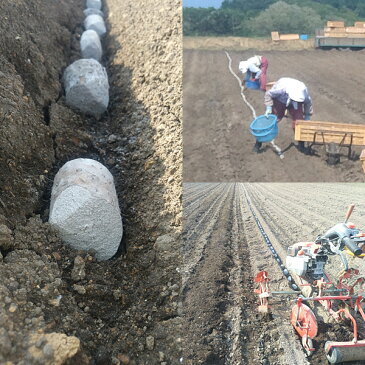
296 114
263 77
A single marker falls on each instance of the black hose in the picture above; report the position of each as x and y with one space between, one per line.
272 249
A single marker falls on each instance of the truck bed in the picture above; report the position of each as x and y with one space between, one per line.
340 42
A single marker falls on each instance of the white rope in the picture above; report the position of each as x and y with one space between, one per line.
240 84
277 148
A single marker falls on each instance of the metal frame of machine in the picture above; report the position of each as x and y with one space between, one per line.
306 262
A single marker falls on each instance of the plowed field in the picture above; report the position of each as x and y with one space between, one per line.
223 251
217 141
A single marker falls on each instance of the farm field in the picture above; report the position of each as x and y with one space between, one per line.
217 141
224 250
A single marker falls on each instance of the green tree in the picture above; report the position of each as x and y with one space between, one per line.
210 21
349 4
360 9
327 11
193 17
259 17
222 22
286 18
247 5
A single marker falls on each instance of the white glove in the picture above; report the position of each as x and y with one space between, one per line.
268 111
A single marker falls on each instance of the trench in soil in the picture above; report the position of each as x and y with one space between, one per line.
122 304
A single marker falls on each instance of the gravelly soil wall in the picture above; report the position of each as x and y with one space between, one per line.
122 311
34 50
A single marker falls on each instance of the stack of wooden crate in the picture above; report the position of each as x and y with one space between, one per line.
275 36
338 29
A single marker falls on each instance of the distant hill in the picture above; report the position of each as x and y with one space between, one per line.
251 18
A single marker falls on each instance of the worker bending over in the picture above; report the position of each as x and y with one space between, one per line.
292 95
255 68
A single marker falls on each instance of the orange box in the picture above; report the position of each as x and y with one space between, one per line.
275 36
335 30
289 37
336 35
334 23
355 35
269 85
355 30
359 24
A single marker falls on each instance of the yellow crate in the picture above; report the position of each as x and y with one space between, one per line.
275 36
359 24
289 37
355 30
335 23
334 30
336 35
330 132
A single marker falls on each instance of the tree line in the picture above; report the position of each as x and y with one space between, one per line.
245 18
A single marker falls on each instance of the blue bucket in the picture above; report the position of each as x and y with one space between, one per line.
252 84
265 129
303 37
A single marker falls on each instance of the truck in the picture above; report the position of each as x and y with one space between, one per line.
324 40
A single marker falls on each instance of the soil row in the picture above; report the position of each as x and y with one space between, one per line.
224 250
224 254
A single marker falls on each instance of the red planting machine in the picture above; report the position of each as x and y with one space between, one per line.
341 299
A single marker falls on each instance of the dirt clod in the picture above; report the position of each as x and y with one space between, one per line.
52 348
78 270
6 238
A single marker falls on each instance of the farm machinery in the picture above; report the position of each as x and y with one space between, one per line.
339 300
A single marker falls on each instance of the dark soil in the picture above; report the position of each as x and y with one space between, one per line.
223 252
222 323
218 145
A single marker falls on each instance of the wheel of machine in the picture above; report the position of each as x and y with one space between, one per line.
337 353
334 356
304 321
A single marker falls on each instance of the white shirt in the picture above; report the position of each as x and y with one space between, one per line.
252 64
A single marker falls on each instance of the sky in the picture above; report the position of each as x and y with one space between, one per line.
202 3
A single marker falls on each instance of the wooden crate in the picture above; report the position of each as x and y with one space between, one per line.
355 30
332 132
332 23
334 30
289 37
269 85
355 35
336 35
275 36
359 24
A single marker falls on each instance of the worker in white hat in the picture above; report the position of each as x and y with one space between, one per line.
255 68
292 95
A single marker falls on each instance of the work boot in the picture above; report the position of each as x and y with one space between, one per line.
257 147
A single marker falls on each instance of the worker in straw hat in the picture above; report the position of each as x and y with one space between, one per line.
255 68
290 95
